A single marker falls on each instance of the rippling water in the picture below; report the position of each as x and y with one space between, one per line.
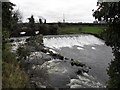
60 73
58 42
85 48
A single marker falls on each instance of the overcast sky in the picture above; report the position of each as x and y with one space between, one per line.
53 10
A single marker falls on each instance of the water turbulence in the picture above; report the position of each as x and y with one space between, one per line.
58 42
87 49
75 61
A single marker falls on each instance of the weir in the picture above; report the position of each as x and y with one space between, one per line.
60 41
85 48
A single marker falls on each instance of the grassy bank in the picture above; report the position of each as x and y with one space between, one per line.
14 76
81 29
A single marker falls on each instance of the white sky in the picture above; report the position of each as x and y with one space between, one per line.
53 10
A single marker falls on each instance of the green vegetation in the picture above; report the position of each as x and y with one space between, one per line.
81 29
110 12
22 53
69 30
13 75
93 29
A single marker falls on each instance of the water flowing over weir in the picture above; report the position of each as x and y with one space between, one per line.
60 41
81 52
85 48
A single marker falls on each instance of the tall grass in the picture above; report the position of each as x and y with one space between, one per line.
13 76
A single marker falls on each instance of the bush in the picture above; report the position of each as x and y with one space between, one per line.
22 53
53 29
44 29
7 56
39 38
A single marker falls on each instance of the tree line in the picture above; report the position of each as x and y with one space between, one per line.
31 27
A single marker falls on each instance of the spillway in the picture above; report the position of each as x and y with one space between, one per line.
60 41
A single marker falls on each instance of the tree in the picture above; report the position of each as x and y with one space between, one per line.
110 12
31 20
6 21
17 16
7 14
40 21
16 27
13 75
45 21
32 25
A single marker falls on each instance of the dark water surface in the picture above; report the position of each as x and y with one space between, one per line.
85 48
48 71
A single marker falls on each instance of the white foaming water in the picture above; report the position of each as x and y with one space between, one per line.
80 48
84 81
53 66
37 32
93 48
52 50
17 41
70 41
56 67
22 33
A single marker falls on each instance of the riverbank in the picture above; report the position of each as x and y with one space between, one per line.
78 29
82 29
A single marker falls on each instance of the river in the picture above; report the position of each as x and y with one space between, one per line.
61 73
85 48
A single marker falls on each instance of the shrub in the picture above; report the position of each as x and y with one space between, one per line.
39 38
54 29
22 53
44 29
7 55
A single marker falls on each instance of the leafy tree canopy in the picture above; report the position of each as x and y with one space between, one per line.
7 8
110 12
